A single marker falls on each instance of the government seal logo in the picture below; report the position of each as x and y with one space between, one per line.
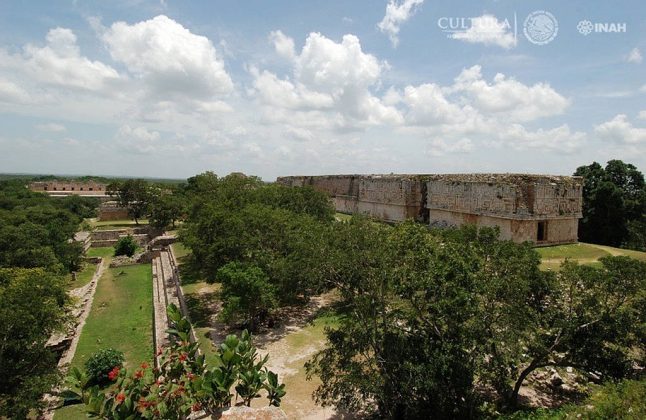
540 27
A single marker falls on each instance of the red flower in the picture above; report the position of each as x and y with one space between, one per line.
191 376
139 374
144 365
142 404
183 357
120 398
113 373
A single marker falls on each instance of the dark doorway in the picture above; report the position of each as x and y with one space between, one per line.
541 232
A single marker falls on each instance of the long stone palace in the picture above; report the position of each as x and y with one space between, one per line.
543 209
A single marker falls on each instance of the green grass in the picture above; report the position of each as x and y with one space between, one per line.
342 216
104 251
574 251
180 251
116 223
121 317
83 276
588 254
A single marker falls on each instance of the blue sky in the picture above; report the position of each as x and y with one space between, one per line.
170 89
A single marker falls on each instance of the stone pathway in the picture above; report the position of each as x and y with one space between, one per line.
165 291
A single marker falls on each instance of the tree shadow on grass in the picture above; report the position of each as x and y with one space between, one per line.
189 271
291 319
201 308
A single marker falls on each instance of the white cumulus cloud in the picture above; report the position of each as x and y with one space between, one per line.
283 44
397 12
508 97
331 84
620 130
60 62
169 58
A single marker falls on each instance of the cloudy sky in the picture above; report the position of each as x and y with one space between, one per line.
171 89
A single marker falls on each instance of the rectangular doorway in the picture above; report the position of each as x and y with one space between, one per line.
541 231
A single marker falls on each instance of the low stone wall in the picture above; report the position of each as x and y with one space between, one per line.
109 210
141 240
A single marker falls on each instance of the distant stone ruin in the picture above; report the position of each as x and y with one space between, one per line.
543 209
64 188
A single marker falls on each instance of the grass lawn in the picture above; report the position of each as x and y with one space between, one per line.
121 223
589 254
180 251
121 317
104 251
83 276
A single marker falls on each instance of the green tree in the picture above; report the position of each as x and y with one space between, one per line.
589 319
133 194
166 208
33 302
403 344
126 246
247 295
430 314
614 204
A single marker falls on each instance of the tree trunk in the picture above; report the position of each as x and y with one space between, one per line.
513 398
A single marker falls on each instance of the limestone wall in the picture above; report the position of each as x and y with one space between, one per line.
510 196
515 203
68 187
110 211
386 197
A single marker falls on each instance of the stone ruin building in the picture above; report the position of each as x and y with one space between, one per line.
65 188
543 209
108 210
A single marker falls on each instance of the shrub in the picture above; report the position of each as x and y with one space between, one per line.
125 246
101 363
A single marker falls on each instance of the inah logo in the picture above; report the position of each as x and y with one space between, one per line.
540 27
585 27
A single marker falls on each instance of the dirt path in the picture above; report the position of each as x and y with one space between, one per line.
289 347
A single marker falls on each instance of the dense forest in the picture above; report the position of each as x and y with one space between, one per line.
36 252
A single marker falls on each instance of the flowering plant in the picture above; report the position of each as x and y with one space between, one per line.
182 383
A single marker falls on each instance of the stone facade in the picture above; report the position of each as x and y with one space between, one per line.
110 210
63 188
540 208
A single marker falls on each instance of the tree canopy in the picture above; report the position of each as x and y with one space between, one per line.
614 205
432 317
36 252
